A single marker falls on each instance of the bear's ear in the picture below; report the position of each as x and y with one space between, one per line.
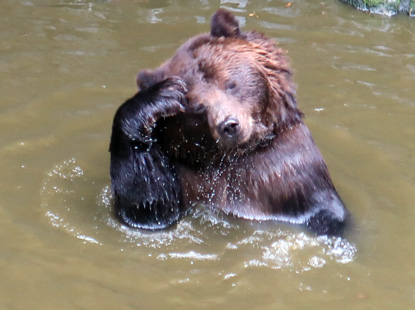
146 78
224 24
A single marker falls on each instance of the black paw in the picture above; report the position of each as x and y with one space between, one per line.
171 98
167 98
137 117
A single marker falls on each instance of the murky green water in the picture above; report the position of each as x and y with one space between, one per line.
65 66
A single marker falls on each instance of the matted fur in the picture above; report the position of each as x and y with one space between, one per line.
218 124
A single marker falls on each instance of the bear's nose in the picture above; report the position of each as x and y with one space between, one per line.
229 128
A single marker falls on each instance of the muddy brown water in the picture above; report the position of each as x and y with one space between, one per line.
65 67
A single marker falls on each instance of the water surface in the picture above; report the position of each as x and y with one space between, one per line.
65 67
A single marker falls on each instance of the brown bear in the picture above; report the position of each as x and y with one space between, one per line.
218 124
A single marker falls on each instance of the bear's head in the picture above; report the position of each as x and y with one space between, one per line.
239 84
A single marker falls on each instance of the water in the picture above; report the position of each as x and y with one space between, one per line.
65 66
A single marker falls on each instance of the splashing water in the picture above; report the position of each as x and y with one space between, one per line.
70 203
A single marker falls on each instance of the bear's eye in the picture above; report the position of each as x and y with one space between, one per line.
230 85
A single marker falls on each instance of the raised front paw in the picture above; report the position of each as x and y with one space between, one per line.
171 98
137 117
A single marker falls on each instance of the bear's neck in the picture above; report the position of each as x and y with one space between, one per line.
260 180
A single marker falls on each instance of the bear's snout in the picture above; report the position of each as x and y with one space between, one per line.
229 128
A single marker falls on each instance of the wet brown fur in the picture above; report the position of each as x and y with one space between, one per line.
272 168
